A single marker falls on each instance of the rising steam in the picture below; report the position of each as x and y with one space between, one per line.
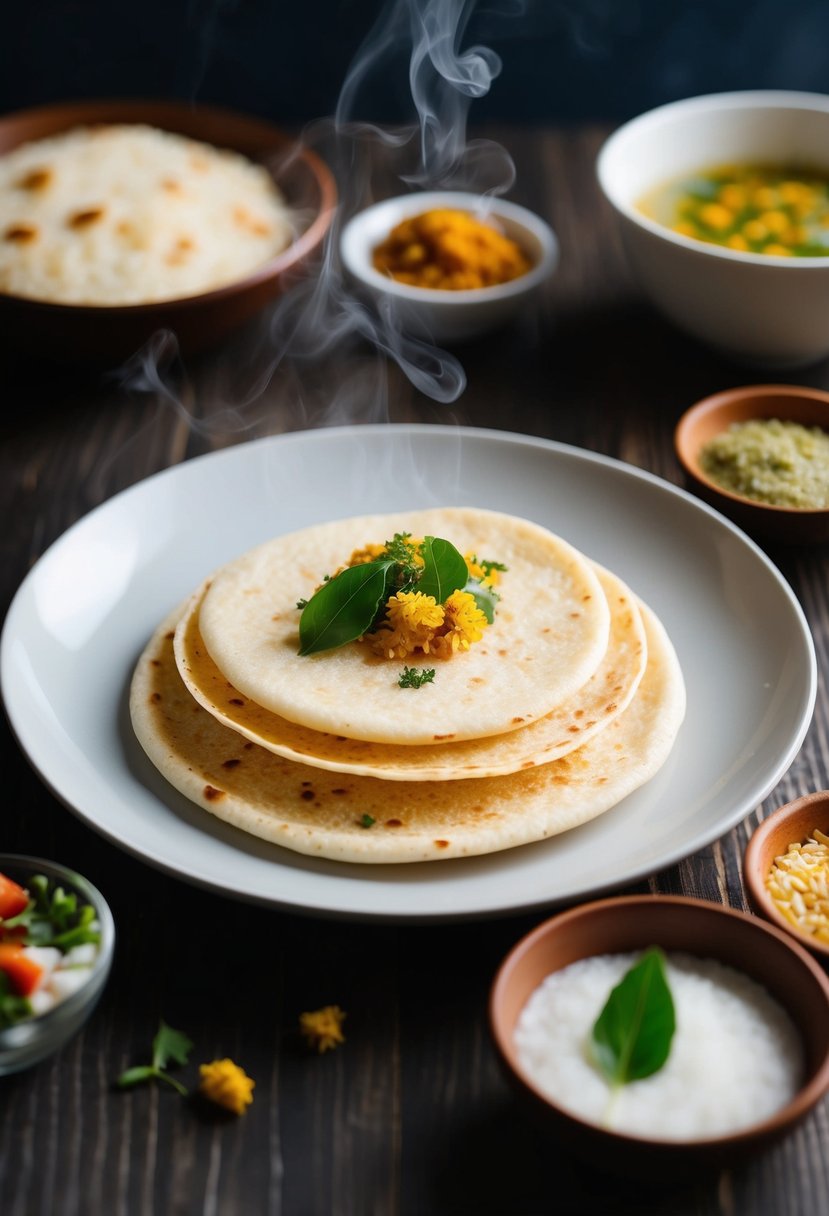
320 316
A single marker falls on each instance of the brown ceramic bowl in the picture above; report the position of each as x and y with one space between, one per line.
713 415
708 930
793 822
109 333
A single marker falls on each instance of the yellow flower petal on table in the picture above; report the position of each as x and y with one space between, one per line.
323 1028
226 1084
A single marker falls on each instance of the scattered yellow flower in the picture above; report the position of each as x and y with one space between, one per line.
226 1084
322 1028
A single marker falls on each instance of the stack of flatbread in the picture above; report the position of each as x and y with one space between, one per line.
572 699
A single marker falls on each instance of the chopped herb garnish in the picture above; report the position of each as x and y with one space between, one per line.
412 677
367 822
301 604
487 566
168 1045
13 1008
53 918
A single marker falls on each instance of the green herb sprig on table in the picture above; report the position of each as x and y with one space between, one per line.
632 1036
168 1044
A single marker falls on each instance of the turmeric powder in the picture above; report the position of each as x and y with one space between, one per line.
449 250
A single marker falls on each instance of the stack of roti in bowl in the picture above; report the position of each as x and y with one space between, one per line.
570 699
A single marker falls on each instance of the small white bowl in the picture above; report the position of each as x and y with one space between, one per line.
432 313
763 311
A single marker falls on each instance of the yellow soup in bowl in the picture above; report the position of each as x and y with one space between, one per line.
779 210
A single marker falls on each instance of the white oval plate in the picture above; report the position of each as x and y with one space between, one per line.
85 611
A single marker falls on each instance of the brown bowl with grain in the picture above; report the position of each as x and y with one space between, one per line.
786 870
122 218
758 454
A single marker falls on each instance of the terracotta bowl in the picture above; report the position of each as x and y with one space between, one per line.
109 333
708 930
713 415
793 822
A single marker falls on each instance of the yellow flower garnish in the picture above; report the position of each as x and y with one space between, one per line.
488 574
411 622
368 553
464 623
322 1028
226 1084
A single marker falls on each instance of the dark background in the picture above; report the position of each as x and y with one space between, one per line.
563 60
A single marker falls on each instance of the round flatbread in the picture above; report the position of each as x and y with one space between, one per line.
363 819
550 632
581 716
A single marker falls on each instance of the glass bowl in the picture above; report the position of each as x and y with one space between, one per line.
29 1042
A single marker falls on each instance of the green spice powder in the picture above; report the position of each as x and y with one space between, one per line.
780 463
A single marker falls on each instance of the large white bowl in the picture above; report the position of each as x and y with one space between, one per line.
432 313
761 310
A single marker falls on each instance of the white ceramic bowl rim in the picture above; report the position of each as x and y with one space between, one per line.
391 210
780 99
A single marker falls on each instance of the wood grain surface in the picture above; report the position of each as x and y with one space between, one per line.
411 1116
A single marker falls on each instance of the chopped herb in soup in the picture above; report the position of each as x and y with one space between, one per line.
773 209
780 463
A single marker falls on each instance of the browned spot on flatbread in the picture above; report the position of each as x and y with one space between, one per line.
84 219
441 738
517 720
231 763
608 709
155 697
235 701
212 794
35 179
441 844
393 823
20 234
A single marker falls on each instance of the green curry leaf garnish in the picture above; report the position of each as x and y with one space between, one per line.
444 569
344 607
632 1036
351 603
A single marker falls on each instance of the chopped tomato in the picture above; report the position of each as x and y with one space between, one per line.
23 972
13 898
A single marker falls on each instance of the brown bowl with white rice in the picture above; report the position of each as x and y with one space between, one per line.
121 218
746 1058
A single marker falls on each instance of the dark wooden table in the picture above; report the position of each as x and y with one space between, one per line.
411 1115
